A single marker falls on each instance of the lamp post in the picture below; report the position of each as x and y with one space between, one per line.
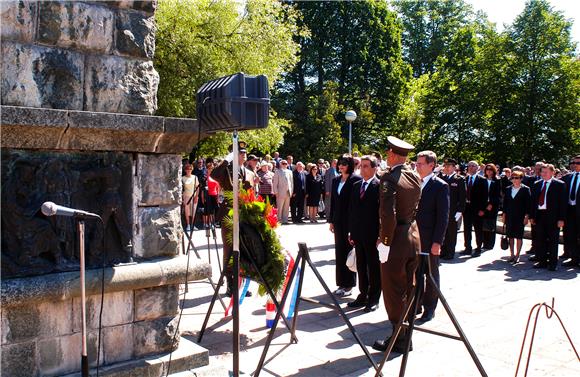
350 117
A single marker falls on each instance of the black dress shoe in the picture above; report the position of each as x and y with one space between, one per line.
426 317
533 258
570 263
399 346
370 308
476 253
553 268
447 257
466 252
356 304
541 265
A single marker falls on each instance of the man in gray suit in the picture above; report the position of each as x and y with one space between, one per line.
432 219
328 177
282 185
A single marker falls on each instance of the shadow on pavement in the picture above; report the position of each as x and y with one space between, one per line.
525 271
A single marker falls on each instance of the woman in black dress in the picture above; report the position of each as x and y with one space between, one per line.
338 220
516 208
493 193
313 192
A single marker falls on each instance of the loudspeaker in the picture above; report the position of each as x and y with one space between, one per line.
237 102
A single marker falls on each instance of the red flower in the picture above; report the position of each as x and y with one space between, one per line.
271 216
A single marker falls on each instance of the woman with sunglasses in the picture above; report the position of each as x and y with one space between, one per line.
516 208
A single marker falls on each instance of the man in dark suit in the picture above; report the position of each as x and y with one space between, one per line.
298 195
398 243
363 234
432 219
572 225
456 206
529 181
548 212
475 200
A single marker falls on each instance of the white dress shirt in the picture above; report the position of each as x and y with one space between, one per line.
574 189
425 180
547 183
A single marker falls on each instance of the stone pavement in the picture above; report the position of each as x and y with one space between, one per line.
490 298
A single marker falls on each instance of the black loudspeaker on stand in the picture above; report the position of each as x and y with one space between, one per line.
411 313
302 259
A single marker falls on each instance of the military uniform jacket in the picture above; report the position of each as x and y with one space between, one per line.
456 193
223 175
400 191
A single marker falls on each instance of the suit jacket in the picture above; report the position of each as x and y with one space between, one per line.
283 183
364 212
400 190
433 213
329 176
456 194
340 202
568 181
530 180
519 206
478 192
492 196
556 200
299 182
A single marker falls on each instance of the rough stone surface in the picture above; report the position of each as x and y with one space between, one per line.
41 77
62 286
159 233
108 131
153 303
156 336
117 310
180 134
135 34
118 343
61 355
119 85
158 180
143 5
77 25
22 322
19 360
17 19
55 318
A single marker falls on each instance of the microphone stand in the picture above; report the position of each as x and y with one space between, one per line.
84 355
236 256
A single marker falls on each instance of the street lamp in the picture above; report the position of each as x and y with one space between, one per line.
350 117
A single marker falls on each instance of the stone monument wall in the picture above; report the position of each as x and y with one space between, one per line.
78 93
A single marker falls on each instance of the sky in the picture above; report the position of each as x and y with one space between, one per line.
505 11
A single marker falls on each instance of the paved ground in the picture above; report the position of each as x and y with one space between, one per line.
490 298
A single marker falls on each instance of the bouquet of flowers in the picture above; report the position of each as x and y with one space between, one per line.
258 216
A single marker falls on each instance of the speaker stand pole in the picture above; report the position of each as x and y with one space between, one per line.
84 355
236 255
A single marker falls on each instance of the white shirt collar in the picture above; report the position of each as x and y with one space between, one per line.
426 180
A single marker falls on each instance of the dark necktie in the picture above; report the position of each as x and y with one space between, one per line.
542 198
469 186
573 188
362 189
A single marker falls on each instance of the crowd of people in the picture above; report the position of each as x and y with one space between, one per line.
396 207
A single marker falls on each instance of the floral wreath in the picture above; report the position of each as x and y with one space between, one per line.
262 216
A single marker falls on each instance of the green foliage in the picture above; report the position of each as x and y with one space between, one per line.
200 40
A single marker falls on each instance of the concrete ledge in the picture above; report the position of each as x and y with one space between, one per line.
187 356
66 285
40 128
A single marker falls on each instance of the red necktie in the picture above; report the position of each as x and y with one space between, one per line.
542 194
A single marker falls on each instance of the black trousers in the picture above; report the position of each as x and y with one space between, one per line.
472 221
297 207
368 268
345 278
448 247
429 296
489 237
572 234
547 234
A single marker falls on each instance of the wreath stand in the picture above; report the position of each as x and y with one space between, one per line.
301 260
409 316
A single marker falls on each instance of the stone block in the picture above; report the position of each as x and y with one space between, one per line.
20 323
19 360
159 231
180 134
36 76
118 343
135 34
158 180
119 85
151 337
55 318
157 302
117 310
18 19
111 132
61 355
77 25
32 128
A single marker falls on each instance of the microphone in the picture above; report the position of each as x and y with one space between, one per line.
51 209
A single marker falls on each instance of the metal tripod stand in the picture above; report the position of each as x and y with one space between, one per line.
411 312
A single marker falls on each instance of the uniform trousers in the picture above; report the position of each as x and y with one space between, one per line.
398 282
448 247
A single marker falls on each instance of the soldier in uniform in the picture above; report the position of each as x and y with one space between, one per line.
223 175
400 191
456 206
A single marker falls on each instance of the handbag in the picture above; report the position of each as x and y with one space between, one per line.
351 260
321 206
504 243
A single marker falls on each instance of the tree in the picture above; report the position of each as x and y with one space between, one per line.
200 40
